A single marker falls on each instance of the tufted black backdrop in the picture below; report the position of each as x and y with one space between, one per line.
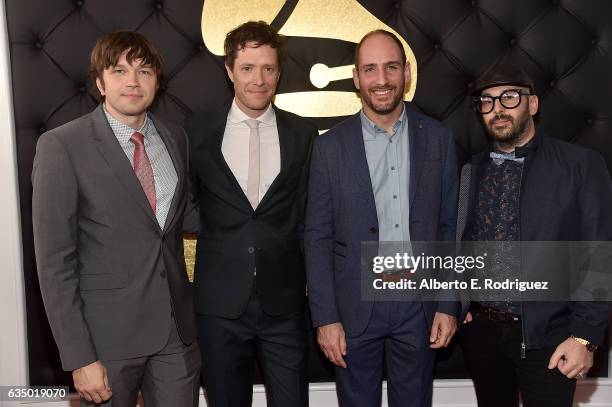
564 44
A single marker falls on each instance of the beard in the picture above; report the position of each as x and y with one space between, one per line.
511 134
385 107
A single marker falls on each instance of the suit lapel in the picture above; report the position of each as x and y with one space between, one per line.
110 149
179 166
287 150
217 131
358 162
418 148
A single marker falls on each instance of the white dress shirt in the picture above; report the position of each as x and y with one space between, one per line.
235 147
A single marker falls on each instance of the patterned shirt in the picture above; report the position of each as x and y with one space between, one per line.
164 172
498 219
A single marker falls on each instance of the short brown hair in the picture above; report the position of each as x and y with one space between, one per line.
385 33
259 33
108 50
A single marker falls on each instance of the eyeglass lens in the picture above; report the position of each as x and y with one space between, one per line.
509 99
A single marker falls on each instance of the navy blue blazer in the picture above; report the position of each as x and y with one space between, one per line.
341 213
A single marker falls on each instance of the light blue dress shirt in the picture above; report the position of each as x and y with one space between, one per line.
388 157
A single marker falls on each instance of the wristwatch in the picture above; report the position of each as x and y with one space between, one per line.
591 347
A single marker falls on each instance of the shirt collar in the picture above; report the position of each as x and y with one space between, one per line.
268 118
121 129
374 130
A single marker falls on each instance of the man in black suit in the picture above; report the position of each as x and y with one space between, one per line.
250 162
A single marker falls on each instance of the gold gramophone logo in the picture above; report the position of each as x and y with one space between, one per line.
345 21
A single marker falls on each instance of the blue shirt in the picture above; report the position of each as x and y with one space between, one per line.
388 157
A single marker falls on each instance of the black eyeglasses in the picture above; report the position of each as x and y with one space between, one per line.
509 99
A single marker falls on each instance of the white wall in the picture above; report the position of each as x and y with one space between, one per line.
13 345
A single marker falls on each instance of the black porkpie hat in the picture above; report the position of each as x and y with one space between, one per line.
503 75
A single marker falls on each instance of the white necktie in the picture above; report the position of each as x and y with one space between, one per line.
253 180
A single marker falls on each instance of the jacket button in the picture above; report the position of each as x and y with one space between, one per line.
373 229
251 250
254 216
162 274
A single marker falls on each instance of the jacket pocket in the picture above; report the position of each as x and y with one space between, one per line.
109 281
339 248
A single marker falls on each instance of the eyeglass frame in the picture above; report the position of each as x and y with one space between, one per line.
494 98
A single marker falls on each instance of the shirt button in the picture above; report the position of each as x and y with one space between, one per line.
396 225
251 250
392 168
394 196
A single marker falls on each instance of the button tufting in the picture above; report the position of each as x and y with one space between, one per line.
437 47
589 121
201 47
80 3
552 83
82 88
38 45
513 41
159 5
470 85
397 5
42 130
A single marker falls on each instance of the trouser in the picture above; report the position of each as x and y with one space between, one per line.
493 352
171 377
231 346
397 335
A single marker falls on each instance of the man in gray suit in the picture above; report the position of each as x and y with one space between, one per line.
108 204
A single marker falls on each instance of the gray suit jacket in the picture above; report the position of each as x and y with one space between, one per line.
109 275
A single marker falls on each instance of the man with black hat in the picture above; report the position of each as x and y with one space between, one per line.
529 187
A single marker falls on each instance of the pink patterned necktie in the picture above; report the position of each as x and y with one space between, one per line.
142 168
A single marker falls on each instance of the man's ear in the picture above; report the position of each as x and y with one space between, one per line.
356 78
100 86
533 104
229 73
407 76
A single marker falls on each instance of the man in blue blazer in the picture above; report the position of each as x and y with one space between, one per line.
385 174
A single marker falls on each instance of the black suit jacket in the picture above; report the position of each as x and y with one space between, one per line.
565 196
234 240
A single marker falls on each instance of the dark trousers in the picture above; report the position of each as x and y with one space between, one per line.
493 353
171 377
230 347
398 335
